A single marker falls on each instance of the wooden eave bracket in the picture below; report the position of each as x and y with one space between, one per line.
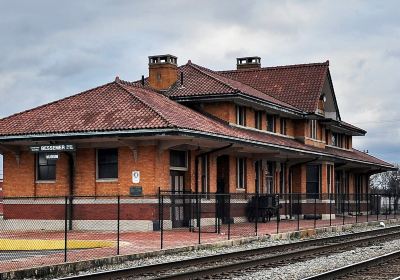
133 146
165 145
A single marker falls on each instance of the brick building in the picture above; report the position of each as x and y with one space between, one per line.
187 128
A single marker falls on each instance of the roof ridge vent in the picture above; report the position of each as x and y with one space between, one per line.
248 62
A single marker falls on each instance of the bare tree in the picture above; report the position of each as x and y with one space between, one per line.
386 182
388 185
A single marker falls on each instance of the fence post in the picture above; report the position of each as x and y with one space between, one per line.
256 221
367 206
162 221
377 209
343 203
218 203
278 216
395 205
118 222
65 229
357 205
229 216
298 211
330 209
386 216
315 210
199 215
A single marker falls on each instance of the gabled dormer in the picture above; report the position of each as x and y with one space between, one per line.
327 104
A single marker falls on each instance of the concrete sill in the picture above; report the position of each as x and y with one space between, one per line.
45 182
107 181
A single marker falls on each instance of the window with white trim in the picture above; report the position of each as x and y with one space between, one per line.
283 126
313 125
204 175
258 119
337 139
270 123
241 115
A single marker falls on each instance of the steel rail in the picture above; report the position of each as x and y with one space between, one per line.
352 268
285 251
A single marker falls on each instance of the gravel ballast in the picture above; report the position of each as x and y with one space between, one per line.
289 272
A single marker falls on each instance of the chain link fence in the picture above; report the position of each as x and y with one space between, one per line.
37 231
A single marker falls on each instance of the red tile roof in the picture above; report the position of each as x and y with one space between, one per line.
125 106
200 81
299 85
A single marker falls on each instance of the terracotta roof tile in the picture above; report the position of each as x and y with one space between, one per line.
299 85
200 81
125 106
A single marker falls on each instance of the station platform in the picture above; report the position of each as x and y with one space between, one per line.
138 244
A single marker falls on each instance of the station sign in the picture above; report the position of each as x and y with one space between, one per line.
136 177
53 148
52 156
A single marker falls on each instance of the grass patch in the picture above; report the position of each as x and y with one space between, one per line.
40 244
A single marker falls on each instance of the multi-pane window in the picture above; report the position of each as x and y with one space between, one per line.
258 119
270 123
337 139
107 164
241 115
270 177
313 129
283 126
241 173
46 168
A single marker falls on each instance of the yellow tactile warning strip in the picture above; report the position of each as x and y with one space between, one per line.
40 244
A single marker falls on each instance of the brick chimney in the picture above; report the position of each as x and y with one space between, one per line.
248 62
163 71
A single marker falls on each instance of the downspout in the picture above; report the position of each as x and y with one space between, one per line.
196 172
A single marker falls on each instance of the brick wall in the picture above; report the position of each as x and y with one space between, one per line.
19 179
223 110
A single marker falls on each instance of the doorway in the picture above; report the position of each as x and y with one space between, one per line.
222 199
177 179
313 181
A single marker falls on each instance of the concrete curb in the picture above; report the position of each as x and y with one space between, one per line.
73 267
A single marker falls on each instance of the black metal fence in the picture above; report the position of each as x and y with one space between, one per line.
38 230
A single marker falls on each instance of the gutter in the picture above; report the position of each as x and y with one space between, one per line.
224 97
171 131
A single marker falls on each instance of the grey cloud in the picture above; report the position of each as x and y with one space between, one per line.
51 49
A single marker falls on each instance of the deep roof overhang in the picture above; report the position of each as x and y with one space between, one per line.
180 131
239 96
343 127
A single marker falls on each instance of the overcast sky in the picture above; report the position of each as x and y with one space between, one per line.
52 49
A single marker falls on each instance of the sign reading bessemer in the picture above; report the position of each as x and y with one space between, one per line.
53 148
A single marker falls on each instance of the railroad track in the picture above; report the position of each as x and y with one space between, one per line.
239 263
385 267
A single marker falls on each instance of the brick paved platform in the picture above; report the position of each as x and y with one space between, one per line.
141 242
